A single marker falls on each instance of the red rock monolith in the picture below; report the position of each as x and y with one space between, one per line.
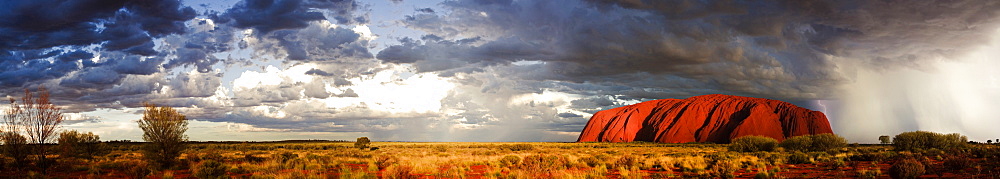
709 118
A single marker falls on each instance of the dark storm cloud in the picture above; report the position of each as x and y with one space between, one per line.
194 48
318 72
271 15
568 115
33 31
27 25
425 10
317 43
669 49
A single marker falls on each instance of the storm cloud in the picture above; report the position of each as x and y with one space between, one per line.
776 49
517 70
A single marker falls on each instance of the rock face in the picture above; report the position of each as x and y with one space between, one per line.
710 118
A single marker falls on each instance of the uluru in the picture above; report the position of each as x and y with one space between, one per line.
712 118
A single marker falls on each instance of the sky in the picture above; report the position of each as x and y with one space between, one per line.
497 70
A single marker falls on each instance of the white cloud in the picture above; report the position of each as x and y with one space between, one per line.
250 79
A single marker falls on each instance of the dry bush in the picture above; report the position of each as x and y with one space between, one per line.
692 163
383 161
399 172
543 164
518 147
510 161
631 173
906 168
627 161
211 169
957 162
725 168
874 173
134 169
800 158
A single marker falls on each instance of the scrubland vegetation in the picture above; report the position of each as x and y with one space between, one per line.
517 160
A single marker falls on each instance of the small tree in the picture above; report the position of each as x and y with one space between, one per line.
80 145
885 139
362 143
163 129
989 141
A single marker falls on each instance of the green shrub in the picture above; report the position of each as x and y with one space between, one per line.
362 143
818 142
825 142
797 143
210 169
753 144
911 141
906 168
800 158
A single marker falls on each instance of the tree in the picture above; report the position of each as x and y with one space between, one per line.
362 143
989 141
163 129
80 145
36 117
885 139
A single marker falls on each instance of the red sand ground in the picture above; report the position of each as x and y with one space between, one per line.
822 170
